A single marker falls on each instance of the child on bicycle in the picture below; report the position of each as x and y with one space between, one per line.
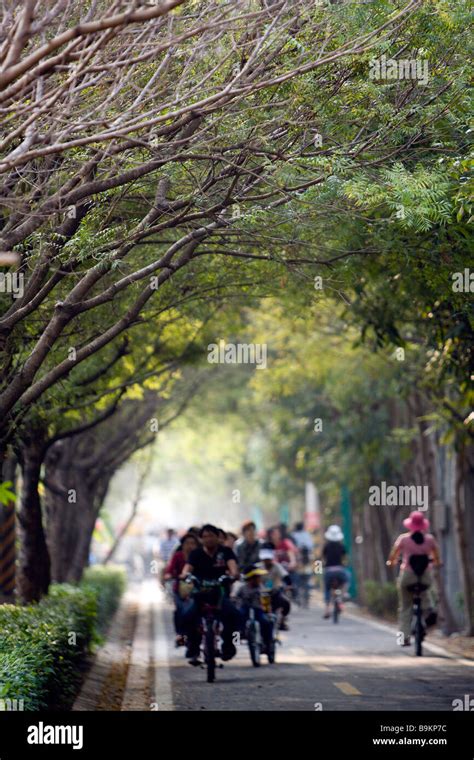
277 581
250 596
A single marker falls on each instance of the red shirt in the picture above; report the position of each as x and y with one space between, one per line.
175 567
283 549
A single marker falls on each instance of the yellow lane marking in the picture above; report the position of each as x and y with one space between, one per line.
320 668
347 688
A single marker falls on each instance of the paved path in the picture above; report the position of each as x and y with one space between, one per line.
354 665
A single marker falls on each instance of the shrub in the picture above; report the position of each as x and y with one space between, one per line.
381 598
108 584
43 646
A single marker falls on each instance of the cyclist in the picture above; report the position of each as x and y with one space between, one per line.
249 596
304 543
168 545
248 547
173 571
208 563
285 550
334 552
417 541
230 540
277 579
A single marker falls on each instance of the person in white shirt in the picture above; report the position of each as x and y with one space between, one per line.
168 545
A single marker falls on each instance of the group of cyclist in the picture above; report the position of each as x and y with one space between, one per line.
280 563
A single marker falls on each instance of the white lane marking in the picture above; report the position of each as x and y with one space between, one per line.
134 694
163 695
392 630
347 688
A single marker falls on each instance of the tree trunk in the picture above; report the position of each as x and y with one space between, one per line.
68 528
459 512
369 558
74 496
428 456
97 493
377 544
8 465
34 564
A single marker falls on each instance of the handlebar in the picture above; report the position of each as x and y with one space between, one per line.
223 579
399 561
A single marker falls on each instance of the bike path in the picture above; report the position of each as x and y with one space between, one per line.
354 665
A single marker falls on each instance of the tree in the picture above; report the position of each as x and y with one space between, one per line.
86 139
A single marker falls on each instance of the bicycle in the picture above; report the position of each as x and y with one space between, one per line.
303 590
336 596
254 636
336 579
210 626
418 564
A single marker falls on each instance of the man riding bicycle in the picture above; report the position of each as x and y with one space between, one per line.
209 563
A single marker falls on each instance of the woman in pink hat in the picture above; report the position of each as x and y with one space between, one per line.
417 541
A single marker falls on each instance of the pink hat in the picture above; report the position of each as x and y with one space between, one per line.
416 521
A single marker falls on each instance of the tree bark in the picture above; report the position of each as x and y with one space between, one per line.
78 470
459 513
34 563
8 466
74 495
428 457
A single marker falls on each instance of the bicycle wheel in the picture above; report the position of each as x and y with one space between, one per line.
336 610
209 654
254 643
306 597
419 634
271 651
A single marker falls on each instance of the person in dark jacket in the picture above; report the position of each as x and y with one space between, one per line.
248 547
334 552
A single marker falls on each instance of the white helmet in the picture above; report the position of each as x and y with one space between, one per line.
266 554
334 533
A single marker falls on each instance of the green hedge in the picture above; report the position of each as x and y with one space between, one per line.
381 598
108 584
43 646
